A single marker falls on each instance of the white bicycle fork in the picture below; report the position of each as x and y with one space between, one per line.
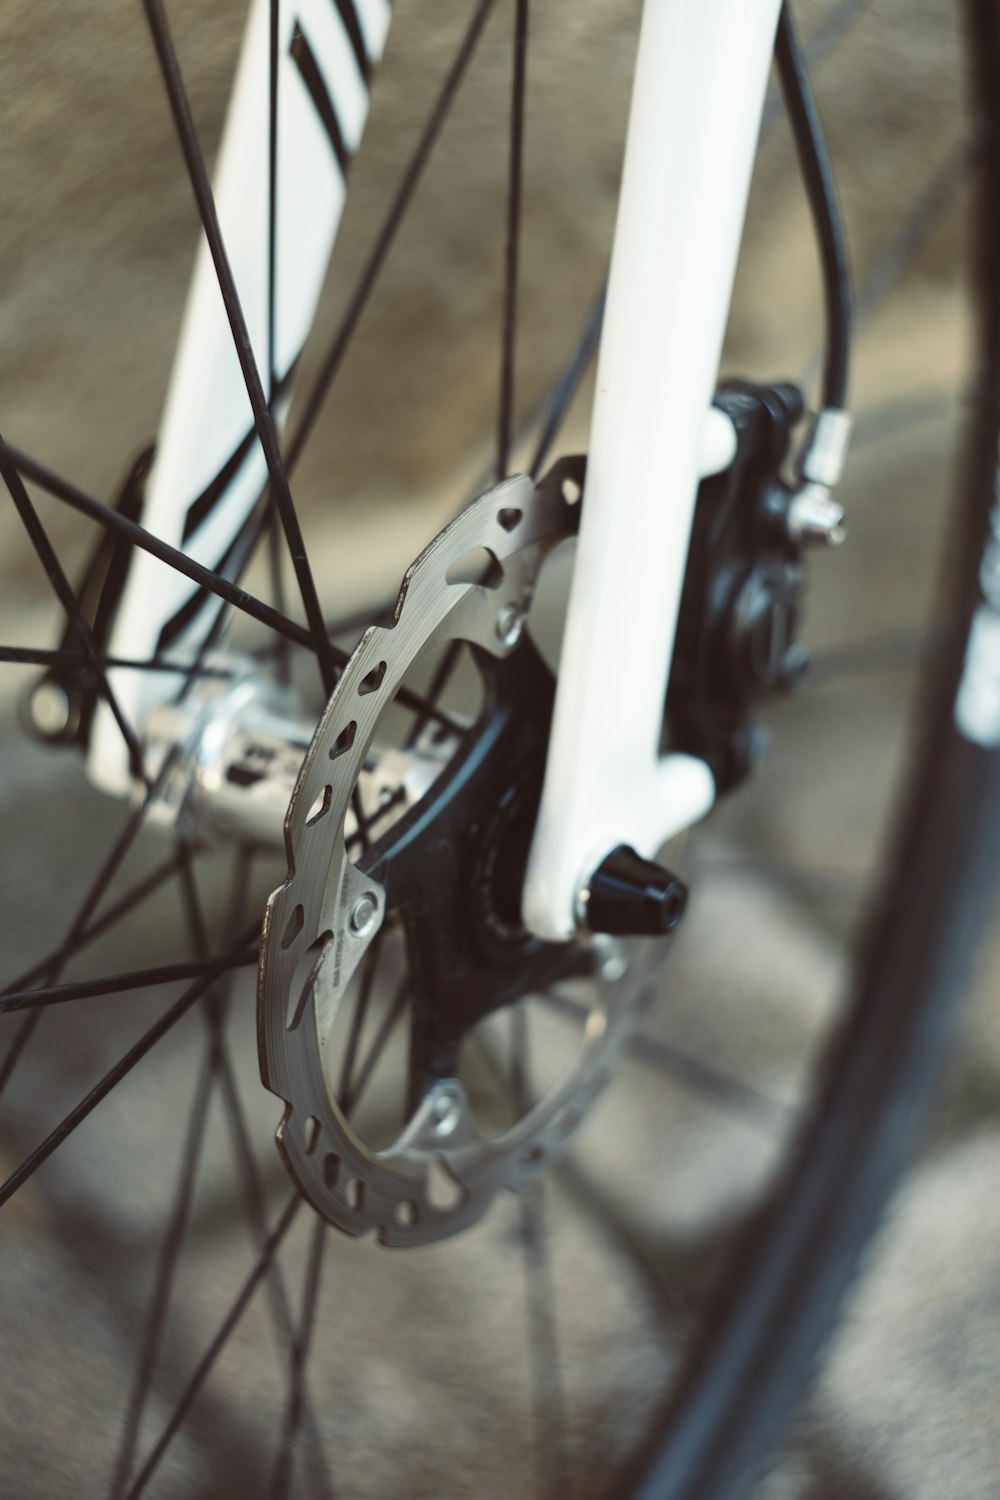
696 108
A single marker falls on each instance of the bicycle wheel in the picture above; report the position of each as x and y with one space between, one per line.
698 1237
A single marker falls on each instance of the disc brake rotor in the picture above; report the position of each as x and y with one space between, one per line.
435 868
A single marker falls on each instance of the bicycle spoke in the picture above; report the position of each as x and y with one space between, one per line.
280 1306
385 237
116 984
828 34
254 1279
894 652
100 1091
121 908
282 668
927 213
272 192
566 386
512 247
33 656
735 1094
297 1366
439 682
361 1006
102 880
833 28
260 1269
664 1280
231 593
283 654
549 1406
896 416
875 287
886 271
214 1015
362 834
550 1402
749 1102
552 410
352 1097
231 567
165 1271
13 1054
294 1302
815 890
113 520
67 598
356 840
264 422
262 519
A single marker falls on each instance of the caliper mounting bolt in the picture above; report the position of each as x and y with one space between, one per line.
631 896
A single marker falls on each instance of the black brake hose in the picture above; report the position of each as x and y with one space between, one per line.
817 173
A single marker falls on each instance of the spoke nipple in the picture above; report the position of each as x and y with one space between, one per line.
50 709
631 896
364 914
612 963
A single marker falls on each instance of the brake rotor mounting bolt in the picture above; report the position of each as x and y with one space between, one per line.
363 915
50 709
445 1113
510 623
612 963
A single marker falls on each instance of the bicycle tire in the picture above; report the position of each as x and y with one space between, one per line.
799 1258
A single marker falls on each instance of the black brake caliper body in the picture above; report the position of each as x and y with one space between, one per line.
741 607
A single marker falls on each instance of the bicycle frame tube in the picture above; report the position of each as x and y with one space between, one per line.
697 102
209 467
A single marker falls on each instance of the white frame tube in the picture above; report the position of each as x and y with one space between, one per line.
697 101
207 414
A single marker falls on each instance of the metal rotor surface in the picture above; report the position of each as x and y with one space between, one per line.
331 908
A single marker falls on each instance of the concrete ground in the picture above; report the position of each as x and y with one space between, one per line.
523 1357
